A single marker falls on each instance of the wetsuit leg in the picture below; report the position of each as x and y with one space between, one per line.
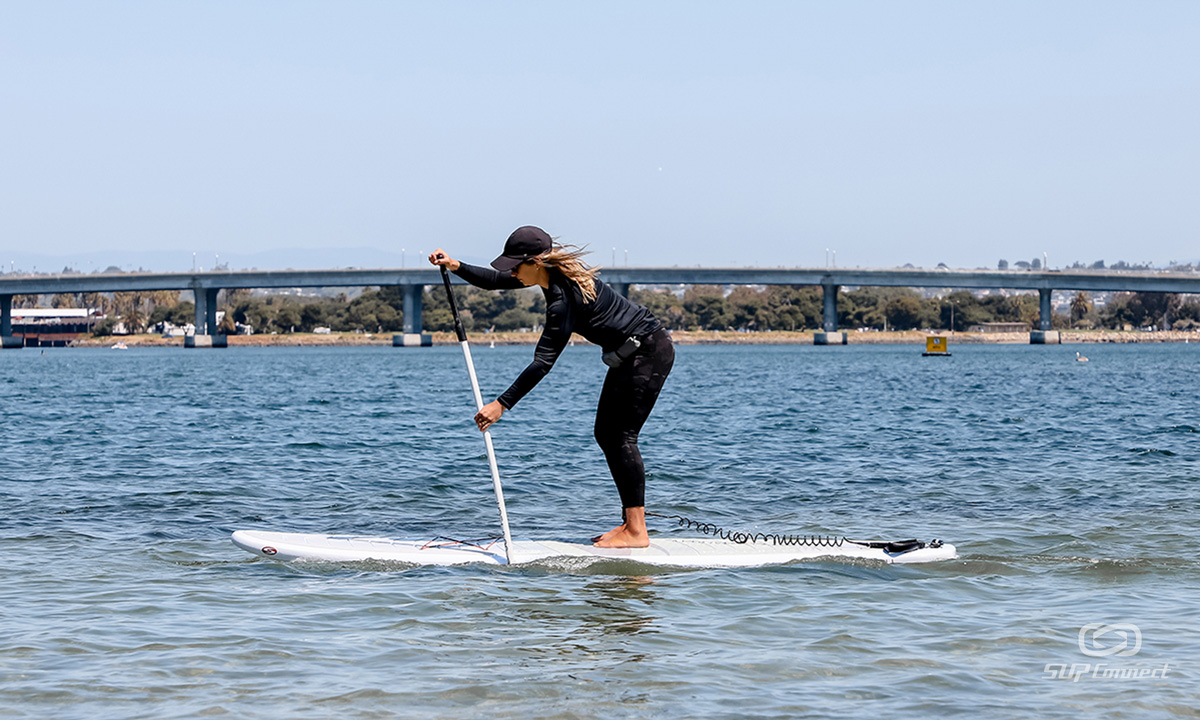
629 394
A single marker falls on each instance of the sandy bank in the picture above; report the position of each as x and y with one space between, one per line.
706 337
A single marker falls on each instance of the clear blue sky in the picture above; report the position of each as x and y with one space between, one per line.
713 133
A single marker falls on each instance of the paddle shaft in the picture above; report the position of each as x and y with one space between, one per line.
487 434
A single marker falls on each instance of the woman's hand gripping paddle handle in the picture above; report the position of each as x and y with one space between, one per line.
487 435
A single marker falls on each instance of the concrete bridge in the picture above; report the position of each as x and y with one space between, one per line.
412 282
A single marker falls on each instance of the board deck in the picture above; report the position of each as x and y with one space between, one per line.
672 552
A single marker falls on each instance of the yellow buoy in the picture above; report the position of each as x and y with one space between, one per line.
936 346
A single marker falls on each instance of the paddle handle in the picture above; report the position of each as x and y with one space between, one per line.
487 434
458 326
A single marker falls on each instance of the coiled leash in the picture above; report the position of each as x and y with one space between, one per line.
742 538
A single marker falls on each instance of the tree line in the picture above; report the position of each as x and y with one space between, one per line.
878 308
699 307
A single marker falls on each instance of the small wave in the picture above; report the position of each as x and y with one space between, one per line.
982 565
205 563
1152 452
909 662
371 565
319 567
1115 566
313 445
1178 429
566 565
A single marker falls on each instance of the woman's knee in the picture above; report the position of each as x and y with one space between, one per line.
605 436
613 438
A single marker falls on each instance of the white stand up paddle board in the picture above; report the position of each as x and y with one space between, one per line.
668 552
682 552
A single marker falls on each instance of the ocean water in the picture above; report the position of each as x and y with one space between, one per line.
1071 490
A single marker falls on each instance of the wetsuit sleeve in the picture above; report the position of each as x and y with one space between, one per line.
487 278
560 323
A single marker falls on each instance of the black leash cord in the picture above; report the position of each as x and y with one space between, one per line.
742 538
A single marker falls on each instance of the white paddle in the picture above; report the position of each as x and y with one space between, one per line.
487 434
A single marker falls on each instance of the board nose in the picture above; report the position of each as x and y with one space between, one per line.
246 541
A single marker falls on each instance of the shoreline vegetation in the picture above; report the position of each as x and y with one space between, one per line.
699 309
681 337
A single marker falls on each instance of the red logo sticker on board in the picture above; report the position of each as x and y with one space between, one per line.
269 550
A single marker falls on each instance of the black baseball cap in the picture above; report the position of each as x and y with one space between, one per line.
524 243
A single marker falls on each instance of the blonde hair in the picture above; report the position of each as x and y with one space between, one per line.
567 260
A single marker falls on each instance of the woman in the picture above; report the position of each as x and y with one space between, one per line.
636 347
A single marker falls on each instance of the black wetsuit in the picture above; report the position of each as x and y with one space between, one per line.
630 390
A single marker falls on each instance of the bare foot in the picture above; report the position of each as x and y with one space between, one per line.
609 534
624 537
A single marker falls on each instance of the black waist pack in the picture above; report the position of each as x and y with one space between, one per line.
621 354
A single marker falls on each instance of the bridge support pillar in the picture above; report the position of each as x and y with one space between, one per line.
205 341
6 337
621 289
201 317
1046 310
206 320
828 335
412 336
1044 335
